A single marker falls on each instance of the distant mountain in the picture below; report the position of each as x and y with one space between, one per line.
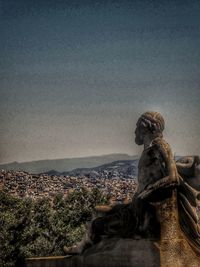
120 168
65 165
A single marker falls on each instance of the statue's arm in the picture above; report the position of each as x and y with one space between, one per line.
165 182
170 165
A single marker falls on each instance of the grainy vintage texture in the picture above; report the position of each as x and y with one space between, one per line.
160 226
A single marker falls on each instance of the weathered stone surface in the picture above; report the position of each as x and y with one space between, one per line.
118 253
175 249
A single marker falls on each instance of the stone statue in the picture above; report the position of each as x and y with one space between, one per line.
159 176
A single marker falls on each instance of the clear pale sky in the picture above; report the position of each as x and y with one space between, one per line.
76 75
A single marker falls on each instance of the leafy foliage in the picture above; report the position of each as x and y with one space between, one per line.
42 227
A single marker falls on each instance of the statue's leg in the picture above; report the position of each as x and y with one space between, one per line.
147 222
121 222
108 225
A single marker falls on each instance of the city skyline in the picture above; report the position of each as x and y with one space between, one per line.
75 76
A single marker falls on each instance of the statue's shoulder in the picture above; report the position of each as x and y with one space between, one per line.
161 145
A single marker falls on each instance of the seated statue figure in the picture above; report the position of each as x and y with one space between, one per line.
158 175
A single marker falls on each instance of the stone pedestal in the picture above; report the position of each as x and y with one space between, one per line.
113 252
118 253
54 261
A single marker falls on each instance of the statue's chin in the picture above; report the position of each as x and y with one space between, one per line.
138 141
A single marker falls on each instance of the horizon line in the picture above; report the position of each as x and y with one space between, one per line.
81 157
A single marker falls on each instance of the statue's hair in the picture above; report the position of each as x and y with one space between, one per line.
153 121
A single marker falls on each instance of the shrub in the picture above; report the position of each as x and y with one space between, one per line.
41 228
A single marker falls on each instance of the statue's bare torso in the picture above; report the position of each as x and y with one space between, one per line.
149 167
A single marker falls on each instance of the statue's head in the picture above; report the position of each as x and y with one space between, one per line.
150 123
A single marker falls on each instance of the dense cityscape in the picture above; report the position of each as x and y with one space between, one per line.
23 184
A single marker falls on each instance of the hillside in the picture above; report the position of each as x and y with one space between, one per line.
120 168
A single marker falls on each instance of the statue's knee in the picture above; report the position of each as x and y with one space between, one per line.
98 225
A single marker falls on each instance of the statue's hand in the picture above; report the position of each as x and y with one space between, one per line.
165 182
103 208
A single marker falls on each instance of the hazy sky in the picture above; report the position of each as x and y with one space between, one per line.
75 75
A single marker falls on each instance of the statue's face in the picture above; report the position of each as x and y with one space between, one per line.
139 133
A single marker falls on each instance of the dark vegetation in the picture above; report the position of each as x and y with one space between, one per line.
42 227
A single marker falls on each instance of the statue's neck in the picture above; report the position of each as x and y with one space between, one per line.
148 141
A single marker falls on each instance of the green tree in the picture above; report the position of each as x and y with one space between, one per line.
42 227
